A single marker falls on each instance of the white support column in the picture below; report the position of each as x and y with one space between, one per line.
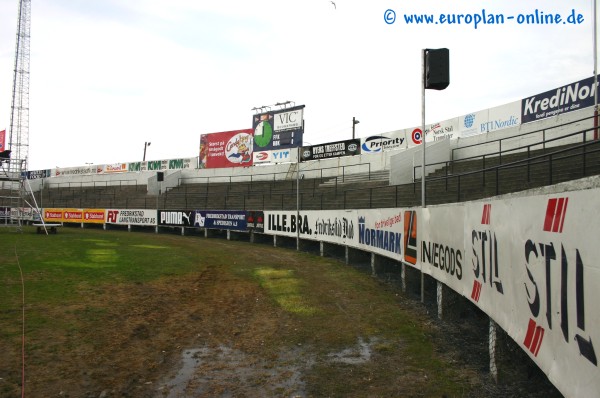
403 276
492 349
440 299
373 259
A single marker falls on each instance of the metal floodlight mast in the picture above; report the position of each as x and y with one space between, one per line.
19 117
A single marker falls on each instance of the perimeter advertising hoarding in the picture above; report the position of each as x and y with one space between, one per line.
2 140
446 130
219 219
279 156
528 263
74 171
255 220
383 142
379 231
571 97
331 150
470 124
176 218
115 168
62 215
35 174
502 117
88 216
166 164
226 149
279 129
142 217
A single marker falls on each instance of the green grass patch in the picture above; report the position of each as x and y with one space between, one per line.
102 293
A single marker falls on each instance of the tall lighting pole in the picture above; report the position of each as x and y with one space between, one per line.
354 123
595 51
146 145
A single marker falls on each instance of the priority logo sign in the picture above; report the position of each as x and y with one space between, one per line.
555 214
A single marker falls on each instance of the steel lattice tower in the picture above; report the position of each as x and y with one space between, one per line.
19 117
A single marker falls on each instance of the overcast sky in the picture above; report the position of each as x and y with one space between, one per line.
109 75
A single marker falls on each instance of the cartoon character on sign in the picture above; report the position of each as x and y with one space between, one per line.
239 148
203 159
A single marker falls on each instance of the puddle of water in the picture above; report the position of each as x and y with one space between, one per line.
234 373
356 355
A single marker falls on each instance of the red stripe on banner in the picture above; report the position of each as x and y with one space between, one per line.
539 333
563 215
485 217
529 335
476 292
550 212
558 214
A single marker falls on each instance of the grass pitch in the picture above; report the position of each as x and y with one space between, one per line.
111 313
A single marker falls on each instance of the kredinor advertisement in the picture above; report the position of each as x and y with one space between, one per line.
571 97
281 129
226 149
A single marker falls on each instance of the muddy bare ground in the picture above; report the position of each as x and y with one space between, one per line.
213 334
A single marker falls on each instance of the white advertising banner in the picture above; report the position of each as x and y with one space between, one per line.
535 270
470 124
288 155
334 226
529 263
131 216
377 230
380 231
440 249
383 142
502 117
446 130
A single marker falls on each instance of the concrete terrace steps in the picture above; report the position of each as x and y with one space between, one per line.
373 176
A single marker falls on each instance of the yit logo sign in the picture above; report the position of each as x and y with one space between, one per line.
485 257
555 214
542 291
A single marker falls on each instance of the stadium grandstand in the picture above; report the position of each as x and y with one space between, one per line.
501 188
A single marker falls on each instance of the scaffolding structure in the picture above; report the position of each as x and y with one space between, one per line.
13 162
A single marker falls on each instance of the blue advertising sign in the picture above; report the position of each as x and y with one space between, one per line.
221 219
564 99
